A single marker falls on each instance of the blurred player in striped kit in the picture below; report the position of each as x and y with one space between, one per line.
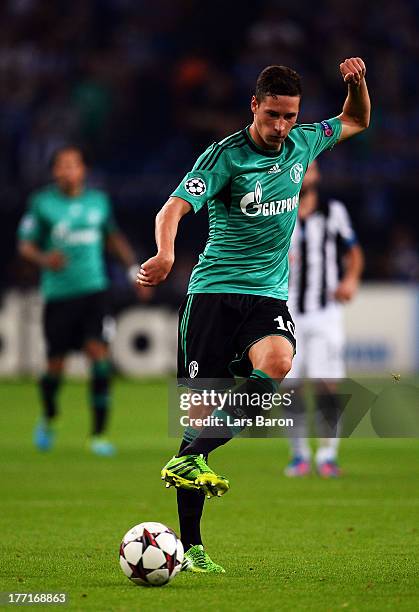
326 263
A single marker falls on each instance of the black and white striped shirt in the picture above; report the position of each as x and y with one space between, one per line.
317 245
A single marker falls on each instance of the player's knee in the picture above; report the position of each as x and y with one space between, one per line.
55 366
276 367
283 366
96 350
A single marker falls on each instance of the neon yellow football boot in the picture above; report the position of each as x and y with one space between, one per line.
192 472
198 561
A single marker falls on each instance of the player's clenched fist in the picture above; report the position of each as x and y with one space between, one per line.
154 270
54 260
353 70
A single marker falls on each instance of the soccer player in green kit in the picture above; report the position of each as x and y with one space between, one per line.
65 232
235 320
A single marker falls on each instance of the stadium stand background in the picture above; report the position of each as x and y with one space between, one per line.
144 87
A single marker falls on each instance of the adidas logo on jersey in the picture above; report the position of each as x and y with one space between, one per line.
275 169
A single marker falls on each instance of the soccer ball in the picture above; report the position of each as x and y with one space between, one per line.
151 554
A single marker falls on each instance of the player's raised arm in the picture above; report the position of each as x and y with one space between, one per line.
355 115
156 269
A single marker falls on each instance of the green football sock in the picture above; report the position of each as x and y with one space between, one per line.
213 436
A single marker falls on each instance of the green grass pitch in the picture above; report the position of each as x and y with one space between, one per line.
286 544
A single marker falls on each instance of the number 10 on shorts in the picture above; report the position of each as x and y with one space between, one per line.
281 325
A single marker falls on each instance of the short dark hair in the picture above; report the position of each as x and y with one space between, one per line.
69 147
277 81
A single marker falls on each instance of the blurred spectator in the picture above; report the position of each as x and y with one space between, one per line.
403 258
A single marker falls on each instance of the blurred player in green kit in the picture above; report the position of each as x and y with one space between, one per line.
65 232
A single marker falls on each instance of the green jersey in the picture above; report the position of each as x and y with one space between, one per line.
76 226
252 197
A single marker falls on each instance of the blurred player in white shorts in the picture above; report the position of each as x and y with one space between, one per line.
325 267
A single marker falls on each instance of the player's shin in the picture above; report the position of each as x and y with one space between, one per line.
298 438
44 433
235 415
328 413
49 385
190 504
100 395
189 435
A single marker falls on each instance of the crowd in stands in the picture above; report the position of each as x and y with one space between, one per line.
146 86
